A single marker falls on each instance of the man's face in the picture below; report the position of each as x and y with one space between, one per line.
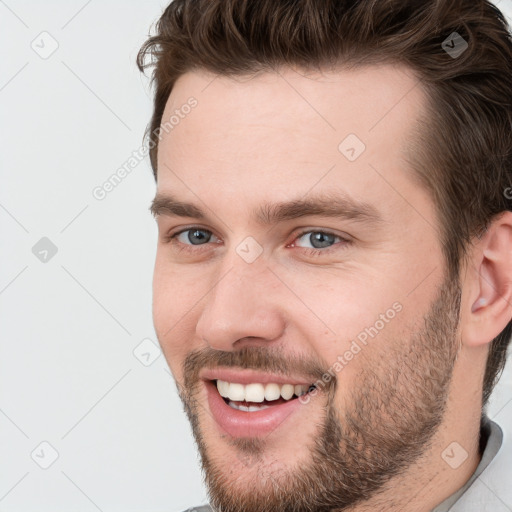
261 299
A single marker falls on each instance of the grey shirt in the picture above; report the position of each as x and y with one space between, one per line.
491 439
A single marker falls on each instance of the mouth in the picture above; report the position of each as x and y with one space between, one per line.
244 405
256 396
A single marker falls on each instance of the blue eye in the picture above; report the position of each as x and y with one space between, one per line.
321 242
189 240
319 239
195 236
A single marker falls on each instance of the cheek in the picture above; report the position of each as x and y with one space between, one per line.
174 316
343 303
353 321
175 291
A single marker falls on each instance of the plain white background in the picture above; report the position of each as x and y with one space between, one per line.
73 373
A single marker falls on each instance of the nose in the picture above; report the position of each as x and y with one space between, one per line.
243 308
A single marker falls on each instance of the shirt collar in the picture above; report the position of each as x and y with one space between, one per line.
491 438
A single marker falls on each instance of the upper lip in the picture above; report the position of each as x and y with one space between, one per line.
243 376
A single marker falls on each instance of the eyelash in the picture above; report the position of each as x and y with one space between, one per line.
188 248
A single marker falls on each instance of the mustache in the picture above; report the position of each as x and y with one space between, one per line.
266 359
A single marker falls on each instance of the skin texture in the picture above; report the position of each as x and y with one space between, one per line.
375 435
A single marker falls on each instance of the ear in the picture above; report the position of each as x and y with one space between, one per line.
487 297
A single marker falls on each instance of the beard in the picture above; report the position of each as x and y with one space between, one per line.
391 414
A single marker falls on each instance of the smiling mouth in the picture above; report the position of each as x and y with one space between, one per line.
255 396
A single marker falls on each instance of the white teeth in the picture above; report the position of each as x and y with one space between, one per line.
254 408
223 388
272 392
236 392
300 390
256 392
250 408
287 391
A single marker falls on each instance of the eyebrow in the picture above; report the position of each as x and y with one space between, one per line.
323 205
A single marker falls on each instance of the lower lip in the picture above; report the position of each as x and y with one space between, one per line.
248 424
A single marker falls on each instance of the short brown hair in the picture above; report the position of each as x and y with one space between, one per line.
462 150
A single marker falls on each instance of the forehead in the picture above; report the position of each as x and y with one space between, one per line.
364 99
291 129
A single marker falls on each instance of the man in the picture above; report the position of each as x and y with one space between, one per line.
333 280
